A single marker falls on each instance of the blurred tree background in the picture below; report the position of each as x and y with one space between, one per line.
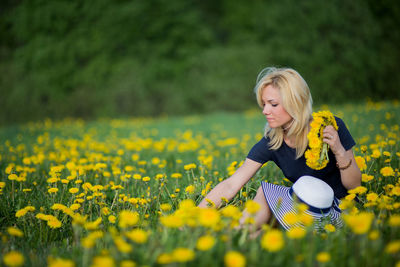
143 58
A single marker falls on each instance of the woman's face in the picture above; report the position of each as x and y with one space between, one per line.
273 109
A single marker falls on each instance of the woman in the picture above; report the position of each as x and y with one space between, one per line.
286 103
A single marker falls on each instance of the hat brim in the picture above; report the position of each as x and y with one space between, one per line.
281 202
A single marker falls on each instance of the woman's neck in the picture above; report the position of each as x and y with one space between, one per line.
286 127
290 141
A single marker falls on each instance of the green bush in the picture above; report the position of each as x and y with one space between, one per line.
89 59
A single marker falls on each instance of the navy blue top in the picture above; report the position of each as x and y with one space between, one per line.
285 158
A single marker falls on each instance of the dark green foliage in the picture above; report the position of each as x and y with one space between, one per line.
100 58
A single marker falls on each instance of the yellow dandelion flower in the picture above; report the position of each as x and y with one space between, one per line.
323 257
52 180
231 211
251 206
176 175
306 219
122 245
15 232
164 258
296 233
128 218
128 168
20 213
372 197
272 240
209 217
360 161
13 259
387 171
359 223
330 228
366 178
189 166
54 223
137 176
205 242
137 235
224 200
190 189
30 208
314 141
69 211
210 203
346 204
395 191
90 240
58 206
74 207
394 220
376 153
183 254
393 247
135 157
53 190
93 225
165 207
58 262
374 235
291 218
112 218
234 259
12 177
358 190
172 221
103 261
128 263
186 204
73 190
9 168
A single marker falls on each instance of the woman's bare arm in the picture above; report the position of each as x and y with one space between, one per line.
229 187
350 174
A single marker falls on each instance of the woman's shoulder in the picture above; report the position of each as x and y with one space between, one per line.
263 141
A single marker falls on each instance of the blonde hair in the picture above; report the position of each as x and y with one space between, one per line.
296 100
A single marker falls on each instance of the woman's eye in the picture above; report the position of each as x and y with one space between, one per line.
274 105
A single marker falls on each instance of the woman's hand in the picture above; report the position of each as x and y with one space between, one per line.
349 172
229 187
331 137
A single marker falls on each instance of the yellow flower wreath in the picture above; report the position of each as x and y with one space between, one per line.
317 154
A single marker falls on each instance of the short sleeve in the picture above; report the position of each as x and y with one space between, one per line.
260 152
345 137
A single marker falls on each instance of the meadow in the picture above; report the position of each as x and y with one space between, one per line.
123 192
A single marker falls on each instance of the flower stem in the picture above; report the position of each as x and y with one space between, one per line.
324 153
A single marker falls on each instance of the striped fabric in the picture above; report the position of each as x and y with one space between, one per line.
280 201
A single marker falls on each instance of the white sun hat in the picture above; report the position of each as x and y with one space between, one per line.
315 193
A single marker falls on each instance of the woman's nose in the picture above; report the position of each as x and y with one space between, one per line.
266 110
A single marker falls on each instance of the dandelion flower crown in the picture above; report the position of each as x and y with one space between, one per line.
317 154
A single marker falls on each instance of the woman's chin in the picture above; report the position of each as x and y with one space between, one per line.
272 125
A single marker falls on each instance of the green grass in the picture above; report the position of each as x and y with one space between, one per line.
163 147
